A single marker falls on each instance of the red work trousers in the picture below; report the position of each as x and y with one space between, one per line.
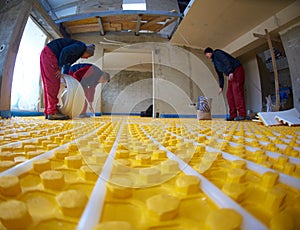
89 92
51 84
235 93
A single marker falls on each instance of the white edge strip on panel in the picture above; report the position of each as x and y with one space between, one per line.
93 209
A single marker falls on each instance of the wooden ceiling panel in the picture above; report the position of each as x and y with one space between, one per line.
152 23
86 21
151 17
120 18
116 26
84 28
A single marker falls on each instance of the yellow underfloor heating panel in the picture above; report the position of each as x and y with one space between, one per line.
151 174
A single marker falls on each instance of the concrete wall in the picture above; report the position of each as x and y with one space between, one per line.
291 42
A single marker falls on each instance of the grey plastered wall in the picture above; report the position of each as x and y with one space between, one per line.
128 92
291 43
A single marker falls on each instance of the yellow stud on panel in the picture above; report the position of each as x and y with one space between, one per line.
149 174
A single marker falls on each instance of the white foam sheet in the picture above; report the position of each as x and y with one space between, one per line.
72 98
290 117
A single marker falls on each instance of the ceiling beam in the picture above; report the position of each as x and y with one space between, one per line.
138 24
102 32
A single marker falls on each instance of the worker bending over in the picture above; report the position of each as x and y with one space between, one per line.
89 77
57 55
231 67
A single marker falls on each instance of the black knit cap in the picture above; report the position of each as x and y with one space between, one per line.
208 50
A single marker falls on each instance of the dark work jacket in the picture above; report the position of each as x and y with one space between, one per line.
224 63
67 51
79 66
87 74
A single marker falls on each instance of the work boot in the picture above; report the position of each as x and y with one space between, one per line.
58 116
239 118
229 119
242 118
84 115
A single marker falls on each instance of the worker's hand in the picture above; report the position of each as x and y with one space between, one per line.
230 77
220 91
58 74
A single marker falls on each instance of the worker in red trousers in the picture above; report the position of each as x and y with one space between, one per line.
55 60
231 67
89 77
